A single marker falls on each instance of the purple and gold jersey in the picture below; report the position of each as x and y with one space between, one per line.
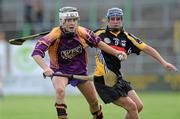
67 54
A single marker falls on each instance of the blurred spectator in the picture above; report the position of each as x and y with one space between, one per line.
33 14
1 79
38 10
33 11
28 11
2 37
2 50
38 15
0 11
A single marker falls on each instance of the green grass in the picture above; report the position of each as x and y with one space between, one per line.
156 106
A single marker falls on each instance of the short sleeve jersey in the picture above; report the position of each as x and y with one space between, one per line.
67 54
122 41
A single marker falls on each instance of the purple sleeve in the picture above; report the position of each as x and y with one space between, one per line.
92 38
41 46
95 39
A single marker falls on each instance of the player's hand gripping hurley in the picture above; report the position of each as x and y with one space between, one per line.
110 78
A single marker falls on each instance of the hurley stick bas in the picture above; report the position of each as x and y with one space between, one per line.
70 76
21 40
110 78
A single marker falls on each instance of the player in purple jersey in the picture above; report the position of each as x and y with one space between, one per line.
66 46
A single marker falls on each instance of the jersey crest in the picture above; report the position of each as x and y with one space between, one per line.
107 40
123 43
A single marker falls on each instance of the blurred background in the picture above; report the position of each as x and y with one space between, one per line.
157 23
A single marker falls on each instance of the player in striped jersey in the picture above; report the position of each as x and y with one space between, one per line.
121 93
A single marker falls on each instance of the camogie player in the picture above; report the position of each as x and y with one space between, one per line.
66 45
121 93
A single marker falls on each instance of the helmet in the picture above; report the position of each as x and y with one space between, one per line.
67 13
114 12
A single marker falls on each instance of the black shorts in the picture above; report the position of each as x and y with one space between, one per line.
110 94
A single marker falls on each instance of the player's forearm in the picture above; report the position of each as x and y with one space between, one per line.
152 52
103 46
39 60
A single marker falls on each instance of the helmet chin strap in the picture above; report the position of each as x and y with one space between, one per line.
69 34
115 29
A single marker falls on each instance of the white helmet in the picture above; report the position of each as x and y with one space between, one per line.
67 13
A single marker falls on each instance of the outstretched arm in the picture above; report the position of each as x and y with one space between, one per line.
120 54
154 53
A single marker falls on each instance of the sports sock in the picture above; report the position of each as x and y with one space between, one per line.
61 111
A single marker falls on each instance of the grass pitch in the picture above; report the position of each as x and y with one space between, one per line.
157 105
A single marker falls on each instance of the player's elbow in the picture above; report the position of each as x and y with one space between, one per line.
148 49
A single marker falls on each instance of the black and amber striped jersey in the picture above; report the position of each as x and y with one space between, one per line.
120 40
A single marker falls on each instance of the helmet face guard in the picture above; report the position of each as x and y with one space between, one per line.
114 12
67 13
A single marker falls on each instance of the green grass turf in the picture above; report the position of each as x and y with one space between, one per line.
157 105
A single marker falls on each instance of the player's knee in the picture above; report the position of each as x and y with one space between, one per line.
61 111
132 107
60 91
